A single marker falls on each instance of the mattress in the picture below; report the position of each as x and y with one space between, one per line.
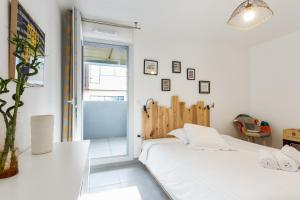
188 174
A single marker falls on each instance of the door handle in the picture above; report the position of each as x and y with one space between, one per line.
70 102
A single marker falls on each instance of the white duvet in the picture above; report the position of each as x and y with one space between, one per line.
188 174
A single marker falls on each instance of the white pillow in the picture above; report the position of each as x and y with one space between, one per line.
201 137
180 134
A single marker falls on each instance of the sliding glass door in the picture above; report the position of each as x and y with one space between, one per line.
99 96
105 99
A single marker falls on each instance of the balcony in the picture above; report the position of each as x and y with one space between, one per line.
105 124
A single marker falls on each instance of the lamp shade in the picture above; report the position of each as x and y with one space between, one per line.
250 14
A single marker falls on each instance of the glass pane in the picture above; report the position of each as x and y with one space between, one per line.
105 99
94 74
121 71
107 71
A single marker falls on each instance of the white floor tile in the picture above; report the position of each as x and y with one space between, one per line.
98 142
118 152
132 180
108 147
101 153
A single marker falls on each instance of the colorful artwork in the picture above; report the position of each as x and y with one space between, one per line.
23 24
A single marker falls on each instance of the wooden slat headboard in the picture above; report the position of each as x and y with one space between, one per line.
159 120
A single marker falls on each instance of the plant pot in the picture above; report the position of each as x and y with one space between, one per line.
11 167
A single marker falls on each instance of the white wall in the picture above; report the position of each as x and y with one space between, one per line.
274 83
273 80
47 99
225 65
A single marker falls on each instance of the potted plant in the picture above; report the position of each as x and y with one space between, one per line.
28 54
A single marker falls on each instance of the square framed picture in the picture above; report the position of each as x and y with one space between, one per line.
176 66
190 74
150 67
165 85
204 87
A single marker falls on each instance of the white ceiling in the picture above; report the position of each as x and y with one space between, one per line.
194 18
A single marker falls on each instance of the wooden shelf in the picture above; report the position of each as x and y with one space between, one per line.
291 135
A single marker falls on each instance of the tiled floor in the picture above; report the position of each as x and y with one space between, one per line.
125 182
108 147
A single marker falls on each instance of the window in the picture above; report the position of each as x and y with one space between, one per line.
106 98
121 72
93 74
101 77
105 72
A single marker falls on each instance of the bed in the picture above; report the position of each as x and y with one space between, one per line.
188 174
216 175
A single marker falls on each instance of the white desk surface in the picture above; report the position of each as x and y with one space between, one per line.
54 176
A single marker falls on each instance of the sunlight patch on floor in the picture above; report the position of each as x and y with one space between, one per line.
130 193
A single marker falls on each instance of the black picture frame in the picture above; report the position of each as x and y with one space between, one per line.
147 63
164 87
188 71
176 67
202 85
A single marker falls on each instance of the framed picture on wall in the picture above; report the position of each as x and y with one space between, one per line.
176 67
204 87
150 67
22 23
190 74
165 85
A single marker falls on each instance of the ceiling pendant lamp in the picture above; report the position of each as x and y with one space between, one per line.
249 14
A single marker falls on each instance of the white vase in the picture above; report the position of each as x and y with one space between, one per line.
42 134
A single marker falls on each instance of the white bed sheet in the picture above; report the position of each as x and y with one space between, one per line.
188 174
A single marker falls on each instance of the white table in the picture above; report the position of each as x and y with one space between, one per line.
59 175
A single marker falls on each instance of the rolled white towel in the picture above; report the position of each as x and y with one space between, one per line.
285 163
267 160
292 153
